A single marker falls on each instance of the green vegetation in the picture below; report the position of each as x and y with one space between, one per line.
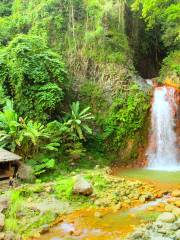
71 98
57 52
127 119
162 18
33 205
36 75
77 119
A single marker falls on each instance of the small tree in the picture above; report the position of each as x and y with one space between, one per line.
78 121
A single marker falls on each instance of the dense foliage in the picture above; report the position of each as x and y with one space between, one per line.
33 74
59 57
162 17
126 117
73 101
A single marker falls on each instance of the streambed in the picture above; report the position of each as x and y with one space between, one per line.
102 223
97 224
108 223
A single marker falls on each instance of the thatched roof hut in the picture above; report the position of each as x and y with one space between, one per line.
6 156
9 163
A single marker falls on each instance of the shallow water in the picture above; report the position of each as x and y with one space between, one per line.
85 225
162 179
111 225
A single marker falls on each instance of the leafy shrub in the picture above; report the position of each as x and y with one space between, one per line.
33 75
41 164
76 151
58 131
171 67
127 117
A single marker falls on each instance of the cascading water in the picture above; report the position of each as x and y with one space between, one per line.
162 151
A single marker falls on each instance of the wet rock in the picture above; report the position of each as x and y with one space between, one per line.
50 204
176 211
103 202
176 193
158 224
142 199
77 233
164 228
167 217
11 236
177 203
25 172
177 235
177 223
44 229
2 236
119 206
137 235
4 202
98 214
82 186
169 207
2 219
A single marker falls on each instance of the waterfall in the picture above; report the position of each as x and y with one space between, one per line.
162 152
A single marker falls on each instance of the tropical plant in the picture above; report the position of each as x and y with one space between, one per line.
23 135
78 121
42 163
9 127
76 151
31 137
3 98
58 131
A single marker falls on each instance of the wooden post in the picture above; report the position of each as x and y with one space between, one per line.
10 170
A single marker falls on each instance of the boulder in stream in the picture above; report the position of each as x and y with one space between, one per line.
176 193
177 236
166 217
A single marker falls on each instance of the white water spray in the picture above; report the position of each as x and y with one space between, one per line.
162 150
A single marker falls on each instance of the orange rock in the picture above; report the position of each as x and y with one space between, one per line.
77 232
171 200
177 203
161 205
151 208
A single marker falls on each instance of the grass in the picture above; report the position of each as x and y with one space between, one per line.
64 167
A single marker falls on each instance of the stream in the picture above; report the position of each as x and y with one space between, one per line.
103 224
107 224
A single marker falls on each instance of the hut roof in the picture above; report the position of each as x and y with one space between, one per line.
6 156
